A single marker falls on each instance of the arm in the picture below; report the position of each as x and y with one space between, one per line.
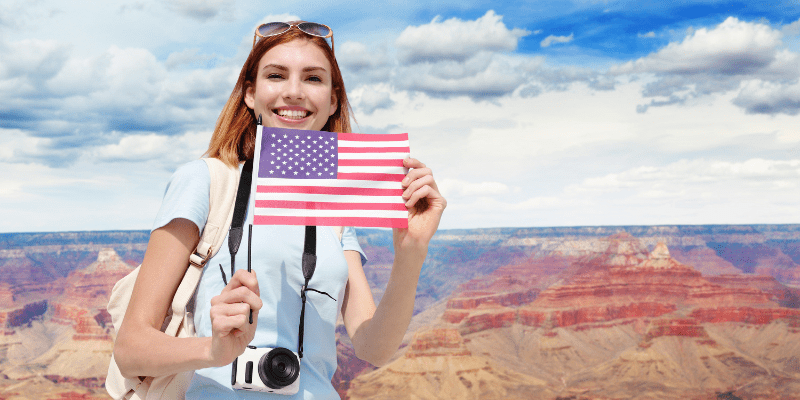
141 349
376 333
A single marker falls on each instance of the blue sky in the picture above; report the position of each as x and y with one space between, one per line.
536 113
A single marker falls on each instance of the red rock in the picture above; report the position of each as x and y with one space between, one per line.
749 315
488 320
684 327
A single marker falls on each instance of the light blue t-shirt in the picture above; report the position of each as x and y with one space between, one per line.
276 260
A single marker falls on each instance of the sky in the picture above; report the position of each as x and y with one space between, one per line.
529 113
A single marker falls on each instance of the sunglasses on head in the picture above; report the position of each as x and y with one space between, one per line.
278 28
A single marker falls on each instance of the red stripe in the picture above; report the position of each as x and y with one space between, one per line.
329 190
370 177
374 149
332 221
371 163
319 205
368 137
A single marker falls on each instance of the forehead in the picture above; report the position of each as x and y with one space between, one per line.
299 54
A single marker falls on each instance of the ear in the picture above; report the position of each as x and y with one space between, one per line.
249 95
334 103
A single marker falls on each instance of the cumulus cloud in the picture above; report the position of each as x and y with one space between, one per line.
201 10
733 47
456 39
763 97
481 79
372 98
720 60
550 40
75 104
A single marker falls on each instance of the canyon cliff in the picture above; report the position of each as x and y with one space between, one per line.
579 312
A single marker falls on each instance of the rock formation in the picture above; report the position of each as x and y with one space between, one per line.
437 365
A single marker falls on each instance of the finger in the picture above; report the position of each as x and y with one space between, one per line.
244 278
417 184
419 194
242 294
227 310
224 325
410 162
415 174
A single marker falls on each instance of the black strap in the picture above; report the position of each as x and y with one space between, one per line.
239 209
236 232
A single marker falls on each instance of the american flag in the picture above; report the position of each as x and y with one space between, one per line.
329 179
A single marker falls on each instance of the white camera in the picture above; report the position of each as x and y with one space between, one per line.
267 370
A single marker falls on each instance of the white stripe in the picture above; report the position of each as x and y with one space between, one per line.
329 198
328 183
372 156
292 212
373 170
350 143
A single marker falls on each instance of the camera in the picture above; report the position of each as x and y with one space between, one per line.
271 370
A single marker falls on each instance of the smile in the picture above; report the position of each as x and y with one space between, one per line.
291 114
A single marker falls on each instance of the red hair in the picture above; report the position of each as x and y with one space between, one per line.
234 138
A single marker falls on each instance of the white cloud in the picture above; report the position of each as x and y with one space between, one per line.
458 187
550 40
760 97
481 77
647 35
734 55
37 60
168 151
371 98
700 176
456 39
733 47
190 57
202 10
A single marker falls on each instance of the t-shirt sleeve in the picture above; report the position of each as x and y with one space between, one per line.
350 242
186 196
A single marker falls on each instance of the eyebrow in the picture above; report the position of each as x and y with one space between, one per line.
284 68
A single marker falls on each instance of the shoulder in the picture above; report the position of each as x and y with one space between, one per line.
193 170
186 195
350 242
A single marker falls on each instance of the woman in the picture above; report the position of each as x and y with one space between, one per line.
291 79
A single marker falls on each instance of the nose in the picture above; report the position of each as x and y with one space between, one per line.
293 89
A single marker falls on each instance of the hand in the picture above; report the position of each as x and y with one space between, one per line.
230 313
425 206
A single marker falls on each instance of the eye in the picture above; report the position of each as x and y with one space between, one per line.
274 75
314 78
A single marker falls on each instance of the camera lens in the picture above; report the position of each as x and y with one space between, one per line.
278 368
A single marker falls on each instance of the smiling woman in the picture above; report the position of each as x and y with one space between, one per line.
290 80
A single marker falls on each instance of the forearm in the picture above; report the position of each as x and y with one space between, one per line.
150 352
379 337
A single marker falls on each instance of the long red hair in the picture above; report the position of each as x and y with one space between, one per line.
234 138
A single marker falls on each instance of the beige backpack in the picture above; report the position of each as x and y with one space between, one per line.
179 321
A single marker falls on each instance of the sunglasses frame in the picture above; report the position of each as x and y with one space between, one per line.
289 26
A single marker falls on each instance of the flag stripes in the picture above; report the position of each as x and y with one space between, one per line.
347 179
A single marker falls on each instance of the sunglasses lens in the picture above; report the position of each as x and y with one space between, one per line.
273 28
313 28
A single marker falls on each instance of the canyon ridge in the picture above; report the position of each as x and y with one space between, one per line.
662 312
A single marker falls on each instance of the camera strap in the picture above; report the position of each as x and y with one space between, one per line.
309 258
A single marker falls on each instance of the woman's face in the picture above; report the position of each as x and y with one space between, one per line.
293 87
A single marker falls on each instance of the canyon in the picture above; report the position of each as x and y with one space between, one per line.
580 312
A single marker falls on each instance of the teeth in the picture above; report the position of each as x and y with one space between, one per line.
292 114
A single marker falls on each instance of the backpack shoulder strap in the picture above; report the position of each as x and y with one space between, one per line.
224 181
